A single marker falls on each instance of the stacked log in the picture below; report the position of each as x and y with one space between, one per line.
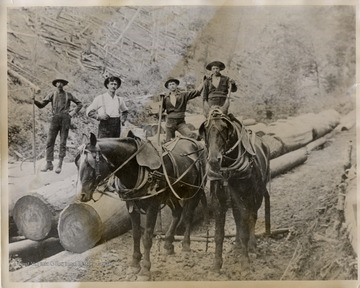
275 145
293 134
287 162
82 225
33 251
36 215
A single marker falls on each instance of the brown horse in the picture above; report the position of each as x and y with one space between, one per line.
238 168
146 181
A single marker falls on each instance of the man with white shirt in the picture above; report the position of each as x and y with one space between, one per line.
109 109
175 105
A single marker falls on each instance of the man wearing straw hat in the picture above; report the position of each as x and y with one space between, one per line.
109 109
175 103
216 87
60 121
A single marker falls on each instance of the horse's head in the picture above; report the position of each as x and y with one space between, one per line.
92 168
219 135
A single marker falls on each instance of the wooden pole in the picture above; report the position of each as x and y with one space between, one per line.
161 106
34 135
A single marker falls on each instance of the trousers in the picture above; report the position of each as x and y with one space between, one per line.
59 123
173 125
109 128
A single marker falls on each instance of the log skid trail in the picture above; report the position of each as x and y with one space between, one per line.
303 201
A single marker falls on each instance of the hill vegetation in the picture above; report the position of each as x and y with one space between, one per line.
286 60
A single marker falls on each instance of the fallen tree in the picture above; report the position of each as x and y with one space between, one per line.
36 215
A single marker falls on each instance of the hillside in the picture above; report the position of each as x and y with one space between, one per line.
285 60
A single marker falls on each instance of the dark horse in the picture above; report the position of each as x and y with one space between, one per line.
146 181
238 168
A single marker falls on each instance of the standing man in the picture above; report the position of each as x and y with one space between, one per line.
109 109
175 105
60 121
216 87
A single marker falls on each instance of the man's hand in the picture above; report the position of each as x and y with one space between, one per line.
206 78
103 116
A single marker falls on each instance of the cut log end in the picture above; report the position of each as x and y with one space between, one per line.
32 217
80 227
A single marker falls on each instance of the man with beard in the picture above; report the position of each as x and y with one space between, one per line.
60 121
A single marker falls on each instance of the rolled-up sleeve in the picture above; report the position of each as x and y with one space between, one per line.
78 103
93 107
123 106
47 99
192 94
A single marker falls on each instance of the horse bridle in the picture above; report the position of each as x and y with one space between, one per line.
239 164
96 165
220 116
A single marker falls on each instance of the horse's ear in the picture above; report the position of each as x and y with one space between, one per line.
132 135
93 139
202 130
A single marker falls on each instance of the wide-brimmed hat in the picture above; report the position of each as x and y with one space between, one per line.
216 63
110 79
171 80
60 80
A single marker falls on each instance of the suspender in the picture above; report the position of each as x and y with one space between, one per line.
54 101
103 104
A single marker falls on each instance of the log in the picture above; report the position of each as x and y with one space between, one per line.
319 142
291 133
347 122
275 145
82 225
287 161
59 266
23 80
36 214
247 121
33 251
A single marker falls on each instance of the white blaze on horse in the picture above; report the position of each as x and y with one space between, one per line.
238 168
147 180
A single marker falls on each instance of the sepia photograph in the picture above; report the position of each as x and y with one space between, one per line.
210 143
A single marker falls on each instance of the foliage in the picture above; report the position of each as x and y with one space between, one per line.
286 60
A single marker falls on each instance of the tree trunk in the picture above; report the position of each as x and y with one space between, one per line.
82 225
36 215
287 161
33 251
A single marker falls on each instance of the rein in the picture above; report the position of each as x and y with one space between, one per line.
182 175
241 164
143 177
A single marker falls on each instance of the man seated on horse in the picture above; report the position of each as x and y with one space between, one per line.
216 87
175 103
109 109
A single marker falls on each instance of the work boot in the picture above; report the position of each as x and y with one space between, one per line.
49 166
58 168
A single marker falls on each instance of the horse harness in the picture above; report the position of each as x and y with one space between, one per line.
245 145
147 178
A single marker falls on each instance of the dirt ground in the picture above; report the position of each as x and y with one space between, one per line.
303 200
